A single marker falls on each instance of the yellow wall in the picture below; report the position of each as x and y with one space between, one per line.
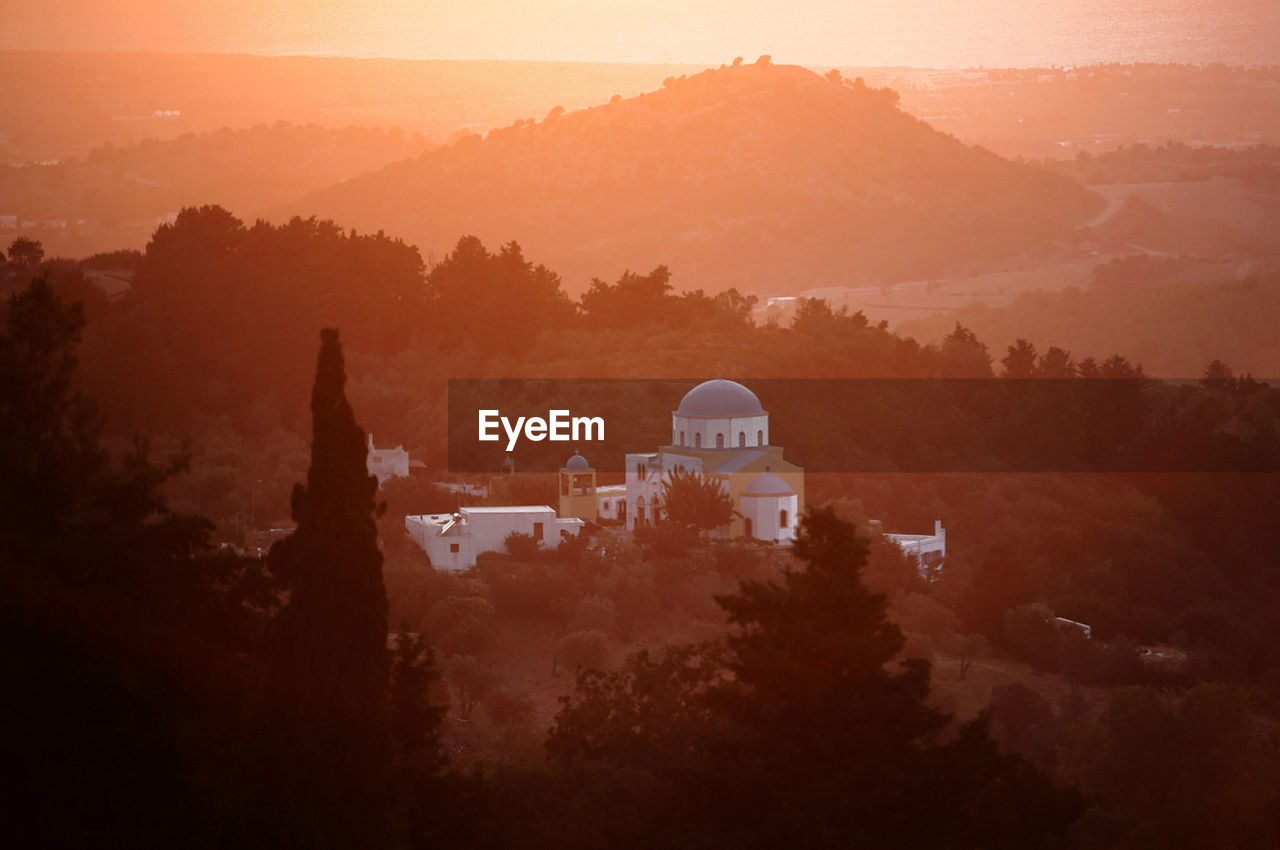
582 505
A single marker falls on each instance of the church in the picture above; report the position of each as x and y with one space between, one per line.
720 431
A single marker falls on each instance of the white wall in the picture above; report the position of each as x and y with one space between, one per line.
387 463
608 499
484 530
439 547
491 528
765 513
648 488
708 428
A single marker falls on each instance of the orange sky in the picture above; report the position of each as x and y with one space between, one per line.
937 33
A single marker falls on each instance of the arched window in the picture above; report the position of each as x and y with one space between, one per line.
782 518
742 439
682 438
748 530
719 441
759 438
697 441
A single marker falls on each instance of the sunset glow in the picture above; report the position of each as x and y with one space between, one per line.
632 424
920 33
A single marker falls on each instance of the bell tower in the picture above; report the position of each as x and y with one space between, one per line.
578 490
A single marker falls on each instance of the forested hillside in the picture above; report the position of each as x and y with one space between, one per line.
766 178
211 344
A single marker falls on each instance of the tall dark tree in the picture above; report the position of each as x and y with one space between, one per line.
801 732
49 432
329 669
122 637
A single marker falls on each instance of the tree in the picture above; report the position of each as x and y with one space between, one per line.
1020 362
415 721
811 659
63 501
795 731
506 707
1218 376
329 671
815 318
1214 788
461 624
494 299
25 252
633 299
415 729
49 431
584 649
472 680
964 355
693 501
523 547
1056 363
119 631
1015 710
656 711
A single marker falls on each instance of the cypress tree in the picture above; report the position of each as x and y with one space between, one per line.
326 693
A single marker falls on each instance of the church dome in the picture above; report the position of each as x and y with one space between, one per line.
577 462
768 484
720 399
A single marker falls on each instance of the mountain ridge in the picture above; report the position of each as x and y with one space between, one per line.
767 178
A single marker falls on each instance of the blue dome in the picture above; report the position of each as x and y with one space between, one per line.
767 484
720 399
577 462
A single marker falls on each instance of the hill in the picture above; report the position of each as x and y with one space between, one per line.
114 196
761 177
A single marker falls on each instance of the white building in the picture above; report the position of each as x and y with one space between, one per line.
928 549
387 463
721 432
452 541
612 499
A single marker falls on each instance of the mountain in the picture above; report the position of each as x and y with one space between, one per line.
768 178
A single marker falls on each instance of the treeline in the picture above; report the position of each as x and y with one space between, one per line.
164 692
1257 166
247 169
1172 315
237 711
205 347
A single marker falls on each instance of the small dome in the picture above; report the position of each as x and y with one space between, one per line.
577 462
720 399
767 484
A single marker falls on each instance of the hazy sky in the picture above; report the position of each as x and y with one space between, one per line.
936 33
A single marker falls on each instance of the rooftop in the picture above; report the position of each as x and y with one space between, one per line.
506 509
720 399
